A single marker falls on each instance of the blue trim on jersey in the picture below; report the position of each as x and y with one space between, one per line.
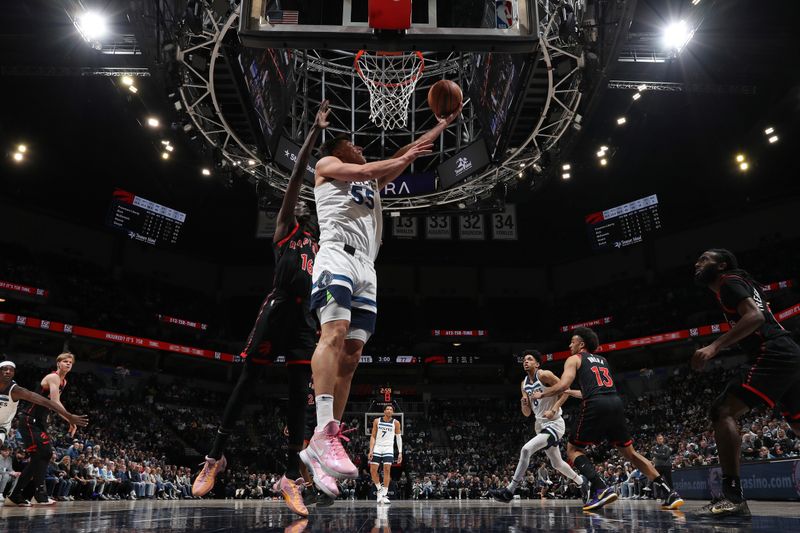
341 294
340 277
364 300
363 319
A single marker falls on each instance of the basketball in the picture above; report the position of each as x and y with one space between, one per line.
444 97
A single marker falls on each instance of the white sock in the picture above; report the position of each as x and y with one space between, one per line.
324 410
378 486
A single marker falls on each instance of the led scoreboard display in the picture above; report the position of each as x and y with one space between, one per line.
143 220
623 225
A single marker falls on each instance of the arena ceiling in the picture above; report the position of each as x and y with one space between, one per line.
88 134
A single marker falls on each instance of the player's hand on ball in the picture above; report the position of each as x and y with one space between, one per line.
452 116
703 355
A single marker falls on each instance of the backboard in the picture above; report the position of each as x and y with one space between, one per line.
436 25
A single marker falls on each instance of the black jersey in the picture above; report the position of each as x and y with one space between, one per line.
294 262
594 376
732 291
40 413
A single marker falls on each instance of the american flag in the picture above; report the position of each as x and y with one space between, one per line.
284 16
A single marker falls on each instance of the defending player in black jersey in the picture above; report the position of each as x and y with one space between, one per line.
602 417
284 326
33 429
771 375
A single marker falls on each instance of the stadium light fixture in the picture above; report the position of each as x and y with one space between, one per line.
641 87
604 148
739 158
621 121
566 176
205 172
456 344
127 81
601 153
251 162
695 2
164 155
152 122
676 35
2 300
603 162
773 139
169 148
92 26
636 96
743 166
22 148
769 131
165 142
566 166
18 157
133 89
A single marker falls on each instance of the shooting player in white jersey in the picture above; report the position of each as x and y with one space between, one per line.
347 195
385 432
549 425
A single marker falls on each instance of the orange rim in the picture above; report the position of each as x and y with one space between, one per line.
412 79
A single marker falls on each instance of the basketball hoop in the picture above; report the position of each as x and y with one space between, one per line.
390 78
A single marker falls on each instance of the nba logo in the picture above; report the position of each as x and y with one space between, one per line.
506 14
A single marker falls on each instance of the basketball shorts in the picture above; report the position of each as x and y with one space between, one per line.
345 288
34 437
556 428
382 457
283 327
601 418
773 377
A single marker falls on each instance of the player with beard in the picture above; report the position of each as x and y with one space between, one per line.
771 375
284 326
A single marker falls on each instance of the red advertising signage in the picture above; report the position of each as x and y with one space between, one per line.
778 285
460 333
590 324
182 322
24 289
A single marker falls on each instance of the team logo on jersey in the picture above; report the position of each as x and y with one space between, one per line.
324 280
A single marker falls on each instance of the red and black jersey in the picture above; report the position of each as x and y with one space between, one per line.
37 411
732 291
594 376
294 262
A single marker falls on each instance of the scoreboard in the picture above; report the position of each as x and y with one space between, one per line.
624 225
144 220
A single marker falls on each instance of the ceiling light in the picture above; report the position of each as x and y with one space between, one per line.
744 165
601 153
251 162
566 166
127 80
773 139
519 175
133 89
164 155
169 148
152 122
92 25
676 35
641 87
621 121
636 96
604 161
165 142
604 148
739 158
18 156
205 172
22 148
769 131
695 2
456 344
565 176
522 165
2 300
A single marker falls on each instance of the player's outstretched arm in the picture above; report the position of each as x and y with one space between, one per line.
334 168
286 219
20 393
567 377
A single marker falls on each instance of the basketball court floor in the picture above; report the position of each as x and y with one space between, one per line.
401 516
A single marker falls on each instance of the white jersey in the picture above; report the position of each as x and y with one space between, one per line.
539 407
8 407
384 438
350 213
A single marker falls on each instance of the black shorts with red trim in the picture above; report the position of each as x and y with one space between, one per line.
284 328
34 437
772 378
601 418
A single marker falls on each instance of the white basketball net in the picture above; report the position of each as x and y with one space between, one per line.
390 78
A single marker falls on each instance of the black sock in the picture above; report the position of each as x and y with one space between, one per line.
220 442
663 484
732 488
587 470
293 465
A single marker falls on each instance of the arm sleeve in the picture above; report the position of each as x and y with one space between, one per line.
399 440
733 291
